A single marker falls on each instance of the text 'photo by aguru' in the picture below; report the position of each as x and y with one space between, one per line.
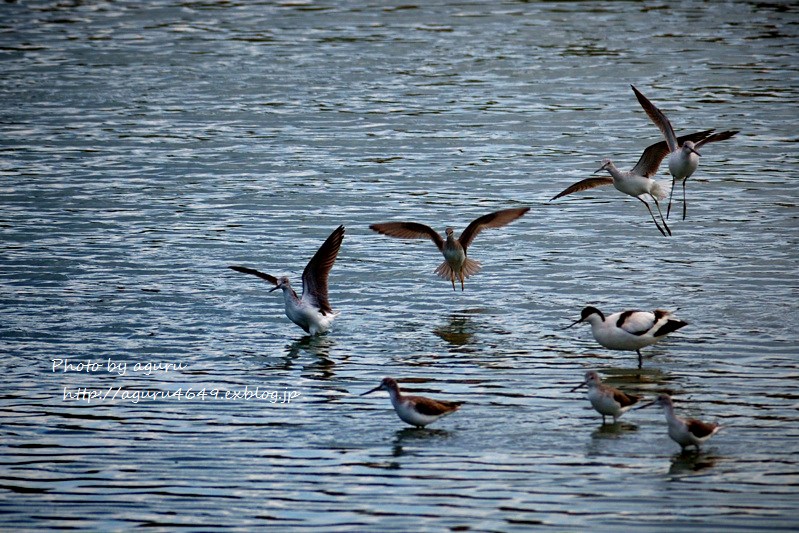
399 266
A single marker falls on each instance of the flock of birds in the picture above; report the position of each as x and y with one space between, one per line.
628 330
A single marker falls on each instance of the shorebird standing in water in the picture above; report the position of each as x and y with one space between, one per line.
415 410
606 399
629 330
312 311
684 431
455 264
684 156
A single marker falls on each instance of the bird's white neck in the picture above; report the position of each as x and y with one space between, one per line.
672 418
594 319
288 294
396 397
613 171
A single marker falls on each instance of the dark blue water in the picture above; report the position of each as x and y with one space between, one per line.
144 147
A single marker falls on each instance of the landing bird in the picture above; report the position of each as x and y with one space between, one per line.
606 399
415 410
312 311
638 182
456 263
684 156
684 431
629 330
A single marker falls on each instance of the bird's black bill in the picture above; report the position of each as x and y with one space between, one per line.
583 384
573 323
371 391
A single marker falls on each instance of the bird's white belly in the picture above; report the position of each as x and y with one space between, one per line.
681 166
633 185
410 416
309 318
604 404
615 338
679 433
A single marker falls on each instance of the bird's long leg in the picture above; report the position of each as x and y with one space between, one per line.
684 205
653 216
452 279
671 195
640 359
657 204
460 275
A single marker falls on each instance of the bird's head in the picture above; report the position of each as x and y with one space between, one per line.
282 282
606 165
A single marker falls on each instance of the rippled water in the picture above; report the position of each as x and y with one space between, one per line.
146 146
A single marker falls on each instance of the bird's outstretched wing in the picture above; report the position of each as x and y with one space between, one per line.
409 230
492 220
252 271
654 154
721 136
584 185
660 120
314 277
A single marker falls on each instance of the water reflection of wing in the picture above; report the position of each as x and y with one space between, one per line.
318 345
459 331
686 463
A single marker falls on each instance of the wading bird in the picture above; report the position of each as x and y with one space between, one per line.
606 399
629 330
312 311
415 410
684 431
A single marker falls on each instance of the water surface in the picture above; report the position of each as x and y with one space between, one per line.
146 146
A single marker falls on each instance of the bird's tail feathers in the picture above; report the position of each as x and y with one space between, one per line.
671 325
470 268
662 189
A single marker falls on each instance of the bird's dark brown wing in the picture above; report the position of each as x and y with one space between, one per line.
314 277
492 220
654 154
700 429
252 271
409 230
659 119
721 136
431 407
584 185
625 399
